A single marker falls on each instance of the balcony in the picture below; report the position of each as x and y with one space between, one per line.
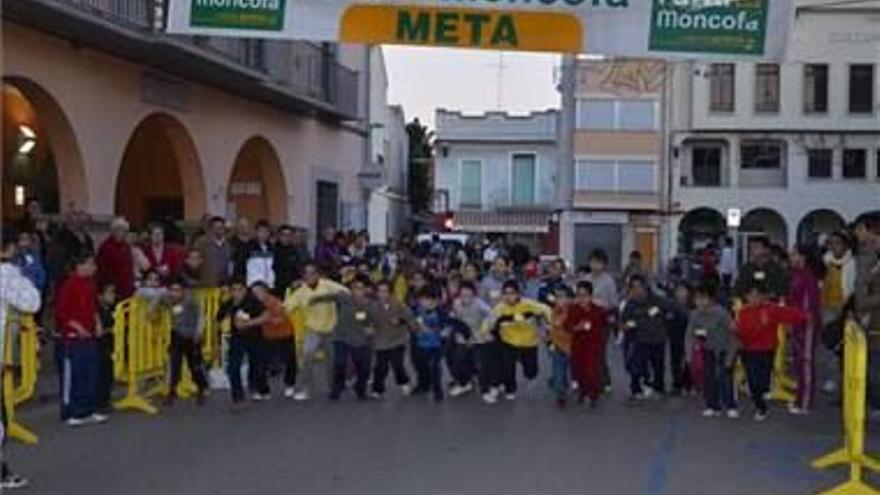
293 75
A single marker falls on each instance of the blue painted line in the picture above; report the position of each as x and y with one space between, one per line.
658 477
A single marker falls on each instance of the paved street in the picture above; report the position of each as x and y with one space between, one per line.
406 446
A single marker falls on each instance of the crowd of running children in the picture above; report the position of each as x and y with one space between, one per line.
467 318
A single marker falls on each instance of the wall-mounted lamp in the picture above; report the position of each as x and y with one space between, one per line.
27 140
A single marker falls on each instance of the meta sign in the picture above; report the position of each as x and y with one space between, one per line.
636 28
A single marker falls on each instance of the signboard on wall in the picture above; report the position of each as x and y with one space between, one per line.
634 28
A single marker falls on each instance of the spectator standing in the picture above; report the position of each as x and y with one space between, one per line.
115 259
17 293
216 255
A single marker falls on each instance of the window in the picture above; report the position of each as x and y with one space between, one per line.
636 176
596 114
761 155
524 176
767 88
722 87
861 88
327 205
819 163
706 166
816 88
597 175
855 163
619 176
637 115
471 190
608 115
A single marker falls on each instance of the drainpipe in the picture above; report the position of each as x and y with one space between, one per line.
565 161
368 125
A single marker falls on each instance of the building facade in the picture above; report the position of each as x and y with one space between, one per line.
615 200
792 148
497 175
385 174
126 120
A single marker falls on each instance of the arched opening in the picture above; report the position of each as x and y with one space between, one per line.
766 222
699 228
817 223
256 188
160 177
41 157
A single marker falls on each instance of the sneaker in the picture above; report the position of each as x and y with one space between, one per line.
607 389
98 418
376 396
732 414
301 396
12 481
459 390
510 397
797 411
289 393
648 393
78 421
829 387
760 416
711 413
260 397
491 397
406 389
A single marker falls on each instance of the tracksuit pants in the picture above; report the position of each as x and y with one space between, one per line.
427 362
561 368
804 340
105 371
648 364
186 348
280 352
393 360
717 382
487 359
460 362
79 378
245 345
360 357
527 357
587 350
759 369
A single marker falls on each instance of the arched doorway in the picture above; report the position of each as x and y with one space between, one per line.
41 157
160 177
256 188
766 222
819 222
700 227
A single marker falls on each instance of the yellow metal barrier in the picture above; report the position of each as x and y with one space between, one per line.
855 366
16 392
141 342
782 386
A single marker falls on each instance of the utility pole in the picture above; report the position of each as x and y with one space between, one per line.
565 160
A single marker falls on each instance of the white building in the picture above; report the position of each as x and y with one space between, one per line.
385 175
497 173
795 147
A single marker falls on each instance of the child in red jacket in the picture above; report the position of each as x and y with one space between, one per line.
758 324
76 311
587 322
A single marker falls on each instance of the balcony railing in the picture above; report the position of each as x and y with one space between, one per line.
303 68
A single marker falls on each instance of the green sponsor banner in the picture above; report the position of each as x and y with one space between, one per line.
709 26
267 15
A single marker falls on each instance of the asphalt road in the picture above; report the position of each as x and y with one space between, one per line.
406 446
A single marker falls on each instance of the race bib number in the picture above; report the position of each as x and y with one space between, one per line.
495 294
630 324
551 298
242 315
654 311
360 316
701 332
519 317
760 276
588 326
177 309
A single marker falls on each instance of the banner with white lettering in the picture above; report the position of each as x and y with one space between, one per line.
633 28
